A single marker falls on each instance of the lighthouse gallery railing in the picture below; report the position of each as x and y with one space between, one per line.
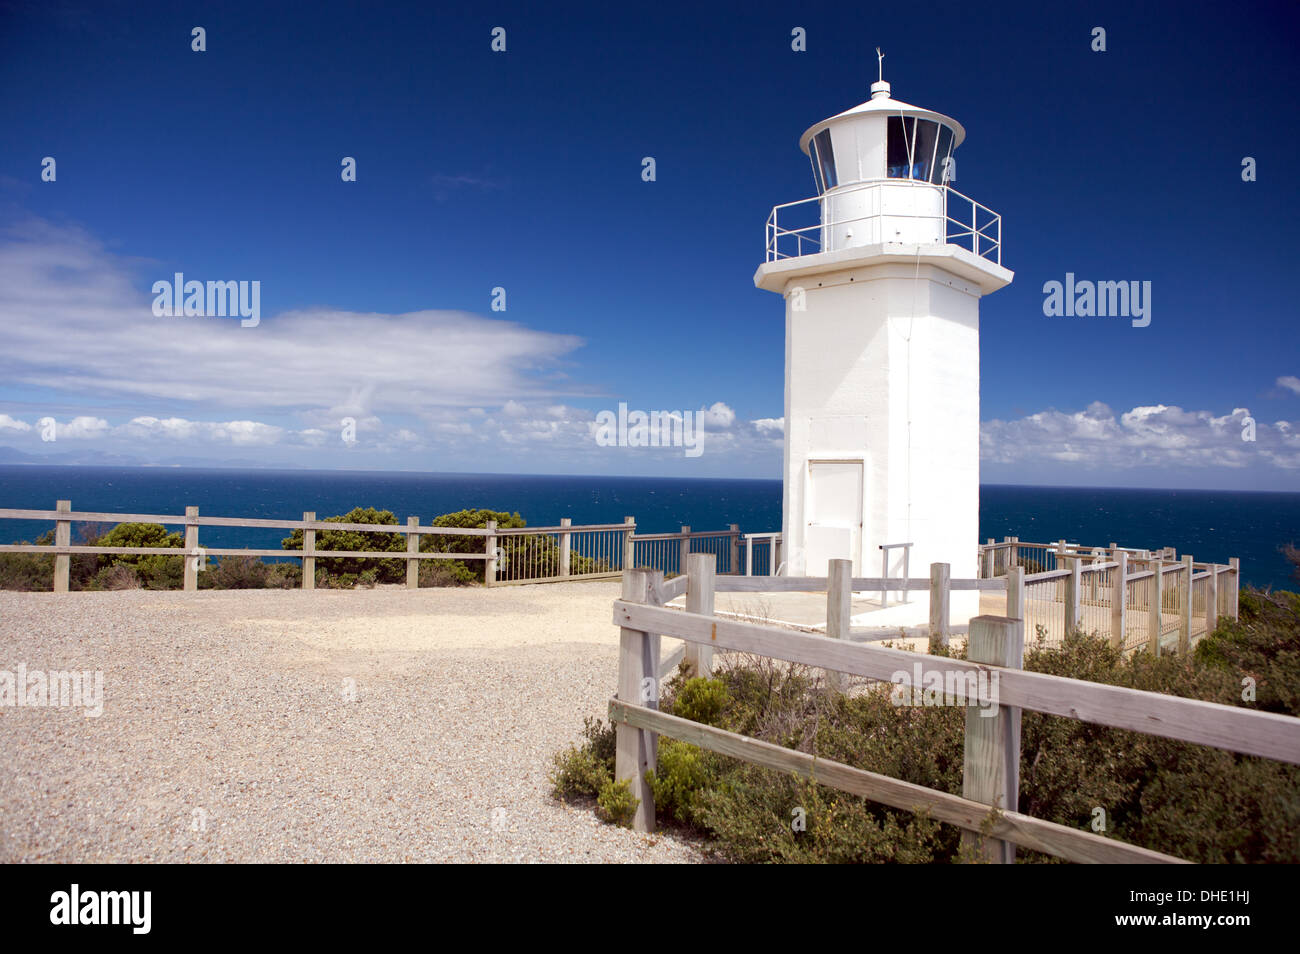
967 223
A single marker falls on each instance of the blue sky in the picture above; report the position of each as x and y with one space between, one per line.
522 170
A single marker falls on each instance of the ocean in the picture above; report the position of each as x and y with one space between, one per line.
1210 524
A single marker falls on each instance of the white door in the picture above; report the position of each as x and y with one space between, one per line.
834 514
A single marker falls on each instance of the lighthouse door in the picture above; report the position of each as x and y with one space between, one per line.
834 514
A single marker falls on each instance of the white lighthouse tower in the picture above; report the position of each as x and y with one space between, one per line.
882 273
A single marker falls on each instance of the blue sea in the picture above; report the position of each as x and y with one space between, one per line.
1211 525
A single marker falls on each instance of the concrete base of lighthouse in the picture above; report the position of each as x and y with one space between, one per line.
882 412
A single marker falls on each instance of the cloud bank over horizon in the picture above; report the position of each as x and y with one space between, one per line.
86 365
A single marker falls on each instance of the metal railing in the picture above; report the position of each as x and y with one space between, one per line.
763 548
966 222
550 554
884 567
667 552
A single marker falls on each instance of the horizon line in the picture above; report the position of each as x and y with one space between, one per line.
475 473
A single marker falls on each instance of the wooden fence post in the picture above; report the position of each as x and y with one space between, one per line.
701 570
1212 599
1073 588
490 545
991 763
62 538
735 549
1119 594
940 576
839 612
1156 622
629 545
1186 590
776 555
191 544
566 546
990 560
308 548
412 548
638 684
1016 592
749 556
684 550
1013 555
1235 564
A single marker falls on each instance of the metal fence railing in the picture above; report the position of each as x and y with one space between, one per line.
795 229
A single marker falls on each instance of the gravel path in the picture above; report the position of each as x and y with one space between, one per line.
227 734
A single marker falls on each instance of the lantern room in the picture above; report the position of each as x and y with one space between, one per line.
881 168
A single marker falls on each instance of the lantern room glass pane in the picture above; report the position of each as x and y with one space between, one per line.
942 153
825 159
927 133
898 147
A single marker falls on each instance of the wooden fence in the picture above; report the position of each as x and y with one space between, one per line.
992 746
510 555
1135 598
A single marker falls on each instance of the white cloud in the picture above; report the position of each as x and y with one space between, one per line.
8 423
1290 382
240 433
1163 436
81 428
78 321
719 417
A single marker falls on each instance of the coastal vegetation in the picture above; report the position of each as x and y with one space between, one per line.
1196 802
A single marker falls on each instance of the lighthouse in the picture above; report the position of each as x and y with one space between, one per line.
882 272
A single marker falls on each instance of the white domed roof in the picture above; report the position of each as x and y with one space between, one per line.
881 102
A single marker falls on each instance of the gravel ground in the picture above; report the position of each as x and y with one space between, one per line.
227 734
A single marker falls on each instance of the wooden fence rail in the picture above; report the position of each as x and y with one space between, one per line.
511 555
992 744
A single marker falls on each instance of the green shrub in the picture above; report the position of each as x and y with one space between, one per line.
29 572
34 572
578 773
616 803
682 775
470 570
343 572
581 771
1255 647
161 572
701 700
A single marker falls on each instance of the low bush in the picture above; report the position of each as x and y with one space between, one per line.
118 577
29 572
249 573
445 573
